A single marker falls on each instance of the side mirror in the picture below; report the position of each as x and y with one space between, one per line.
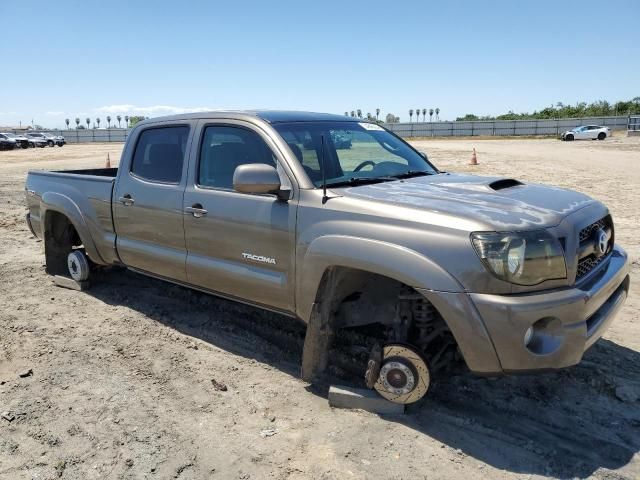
256 178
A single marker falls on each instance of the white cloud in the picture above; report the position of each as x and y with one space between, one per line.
55 114
148 111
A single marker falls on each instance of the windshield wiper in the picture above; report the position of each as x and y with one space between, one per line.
413 173
353 181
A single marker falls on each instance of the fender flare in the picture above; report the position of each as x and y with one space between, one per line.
57 202
374 256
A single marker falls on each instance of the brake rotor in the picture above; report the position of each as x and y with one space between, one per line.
404 375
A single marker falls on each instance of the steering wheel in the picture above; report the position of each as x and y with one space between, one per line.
364 164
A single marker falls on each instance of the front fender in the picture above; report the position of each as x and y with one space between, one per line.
383 258
57 202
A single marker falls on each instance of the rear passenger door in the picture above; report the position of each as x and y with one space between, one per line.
239 244
147 202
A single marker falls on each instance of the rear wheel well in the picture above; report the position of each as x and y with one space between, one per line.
368 309
60 238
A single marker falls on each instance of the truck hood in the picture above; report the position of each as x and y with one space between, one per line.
497 203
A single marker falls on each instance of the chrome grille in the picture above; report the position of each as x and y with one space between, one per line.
589 263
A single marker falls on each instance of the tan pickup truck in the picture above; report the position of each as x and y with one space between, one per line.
341 224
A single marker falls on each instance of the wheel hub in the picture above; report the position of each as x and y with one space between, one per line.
404 376
397 377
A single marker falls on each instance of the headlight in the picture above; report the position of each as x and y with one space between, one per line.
524 258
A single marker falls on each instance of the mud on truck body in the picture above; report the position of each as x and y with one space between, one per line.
423 266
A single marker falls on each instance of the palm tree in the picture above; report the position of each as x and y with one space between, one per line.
411 115
66 120
126 121
98 121
77 122
430 114
119 118
359 113
108 121
88 120
424 114
437 114
377 113
346 114
353 113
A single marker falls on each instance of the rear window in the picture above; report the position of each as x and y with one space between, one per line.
159 154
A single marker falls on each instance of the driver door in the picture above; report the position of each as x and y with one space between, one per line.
238 244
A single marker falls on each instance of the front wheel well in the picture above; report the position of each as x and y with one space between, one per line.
366 309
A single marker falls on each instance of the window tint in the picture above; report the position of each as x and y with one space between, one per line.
224 149
159 154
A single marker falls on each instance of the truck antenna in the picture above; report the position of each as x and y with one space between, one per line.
324 171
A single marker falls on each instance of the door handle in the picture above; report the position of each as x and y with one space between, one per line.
126 200
196 210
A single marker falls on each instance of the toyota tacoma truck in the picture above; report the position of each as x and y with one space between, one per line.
372 242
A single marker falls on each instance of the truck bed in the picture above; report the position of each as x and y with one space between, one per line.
84 196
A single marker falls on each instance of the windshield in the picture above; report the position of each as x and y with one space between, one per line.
10 135
353 152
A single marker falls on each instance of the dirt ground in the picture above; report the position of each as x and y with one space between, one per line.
118 382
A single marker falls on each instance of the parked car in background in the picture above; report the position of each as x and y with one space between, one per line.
53 140
587 132
6 143
37 140
50 140
21 140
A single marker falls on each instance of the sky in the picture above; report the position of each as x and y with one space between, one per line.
67 59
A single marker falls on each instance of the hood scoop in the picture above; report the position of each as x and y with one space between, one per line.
504 183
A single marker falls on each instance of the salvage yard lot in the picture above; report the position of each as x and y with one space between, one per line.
126 380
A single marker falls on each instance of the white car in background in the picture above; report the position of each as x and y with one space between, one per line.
587 132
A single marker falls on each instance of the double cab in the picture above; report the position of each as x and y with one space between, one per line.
429 267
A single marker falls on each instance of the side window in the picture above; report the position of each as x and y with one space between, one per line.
159 154
224 149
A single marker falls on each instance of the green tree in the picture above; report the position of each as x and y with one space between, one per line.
430 114
108 121
411 115
377 113
66 120
77 122
119 118
135 119
88 120
437 114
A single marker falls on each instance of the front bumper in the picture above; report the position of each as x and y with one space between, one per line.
566 321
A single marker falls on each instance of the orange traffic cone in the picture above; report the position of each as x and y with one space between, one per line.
108 164
474 158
